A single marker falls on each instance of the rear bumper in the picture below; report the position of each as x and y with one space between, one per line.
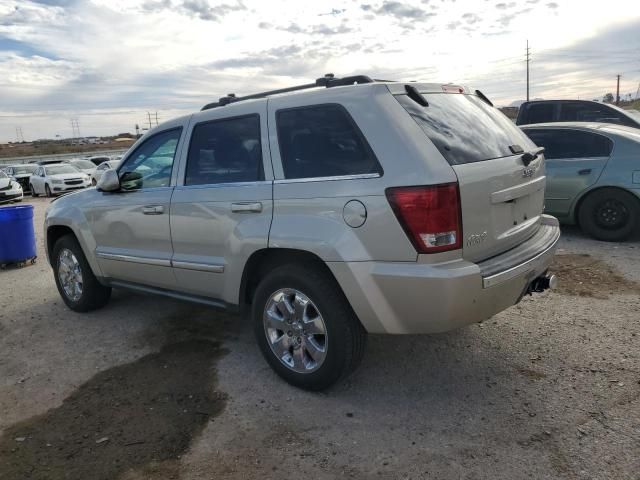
402 298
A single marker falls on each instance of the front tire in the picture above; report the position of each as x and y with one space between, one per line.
609 214
33 191
77 285
306 328
47 191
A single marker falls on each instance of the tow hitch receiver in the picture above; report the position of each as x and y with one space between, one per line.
542 283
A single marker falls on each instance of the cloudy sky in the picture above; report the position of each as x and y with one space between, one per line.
109 62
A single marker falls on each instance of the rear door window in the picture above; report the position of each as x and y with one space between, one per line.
464 128
564 143
225 151
539 113
322 141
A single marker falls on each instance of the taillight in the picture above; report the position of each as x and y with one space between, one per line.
430 216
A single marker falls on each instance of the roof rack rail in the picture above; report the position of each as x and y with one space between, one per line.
328 81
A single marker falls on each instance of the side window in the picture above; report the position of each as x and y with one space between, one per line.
225 151
564 143
150 165
540 113
322 141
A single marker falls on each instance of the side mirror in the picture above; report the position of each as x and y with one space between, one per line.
131 181
109 182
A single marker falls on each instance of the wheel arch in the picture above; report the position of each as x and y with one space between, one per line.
262 261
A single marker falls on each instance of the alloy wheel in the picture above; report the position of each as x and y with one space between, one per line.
70 275
295 330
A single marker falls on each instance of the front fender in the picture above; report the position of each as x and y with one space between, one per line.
66 212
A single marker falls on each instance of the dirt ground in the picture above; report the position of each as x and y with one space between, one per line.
152 388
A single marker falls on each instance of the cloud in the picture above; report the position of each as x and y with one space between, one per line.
201 9
471 18
504 6
398 10
552 5
204 11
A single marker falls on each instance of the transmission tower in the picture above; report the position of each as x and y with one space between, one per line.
19 135
528 61
75 127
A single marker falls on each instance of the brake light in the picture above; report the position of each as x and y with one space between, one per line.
452 89
429 215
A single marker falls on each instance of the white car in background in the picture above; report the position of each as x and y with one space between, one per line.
57 178
10 189
103 167
85 166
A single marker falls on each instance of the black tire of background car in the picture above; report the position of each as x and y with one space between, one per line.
595 200
33 191
346 340
47 191
94 294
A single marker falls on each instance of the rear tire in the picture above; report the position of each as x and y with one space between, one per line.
93 182
312 361
47 191
609 214
69 266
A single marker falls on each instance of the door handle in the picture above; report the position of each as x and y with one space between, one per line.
584 171
246 207
153 210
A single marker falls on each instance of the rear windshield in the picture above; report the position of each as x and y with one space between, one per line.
464 128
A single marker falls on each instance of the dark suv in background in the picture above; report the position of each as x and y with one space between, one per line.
546 111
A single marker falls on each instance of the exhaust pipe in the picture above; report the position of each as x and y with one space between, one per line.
542 283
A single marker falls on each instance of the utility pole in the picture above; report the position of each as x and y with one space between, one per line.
156 118
637 92
528 60
618 92
149 116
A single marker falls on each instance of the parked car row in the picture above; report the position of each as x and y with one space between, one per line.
52 177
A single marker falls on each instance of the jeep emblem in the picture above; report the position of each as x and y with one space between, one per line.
528 172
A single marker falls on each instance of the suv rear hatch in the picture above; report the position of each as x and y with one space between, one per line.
501 193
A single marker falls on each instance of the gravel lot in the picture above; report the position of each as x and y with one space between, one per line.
151 388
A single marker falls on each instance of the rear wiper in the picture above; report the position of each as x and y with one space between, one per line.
415 95
528 157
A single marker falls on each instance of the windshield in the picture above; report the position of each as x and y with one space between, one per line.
60 169
2 174
23 169
86 164
464 128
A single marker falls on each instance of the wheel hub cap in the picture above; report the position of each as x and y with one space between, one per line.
295 330
70 275
611 214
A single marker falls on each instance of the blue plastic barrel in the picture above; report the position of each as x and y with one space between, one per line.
17 239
